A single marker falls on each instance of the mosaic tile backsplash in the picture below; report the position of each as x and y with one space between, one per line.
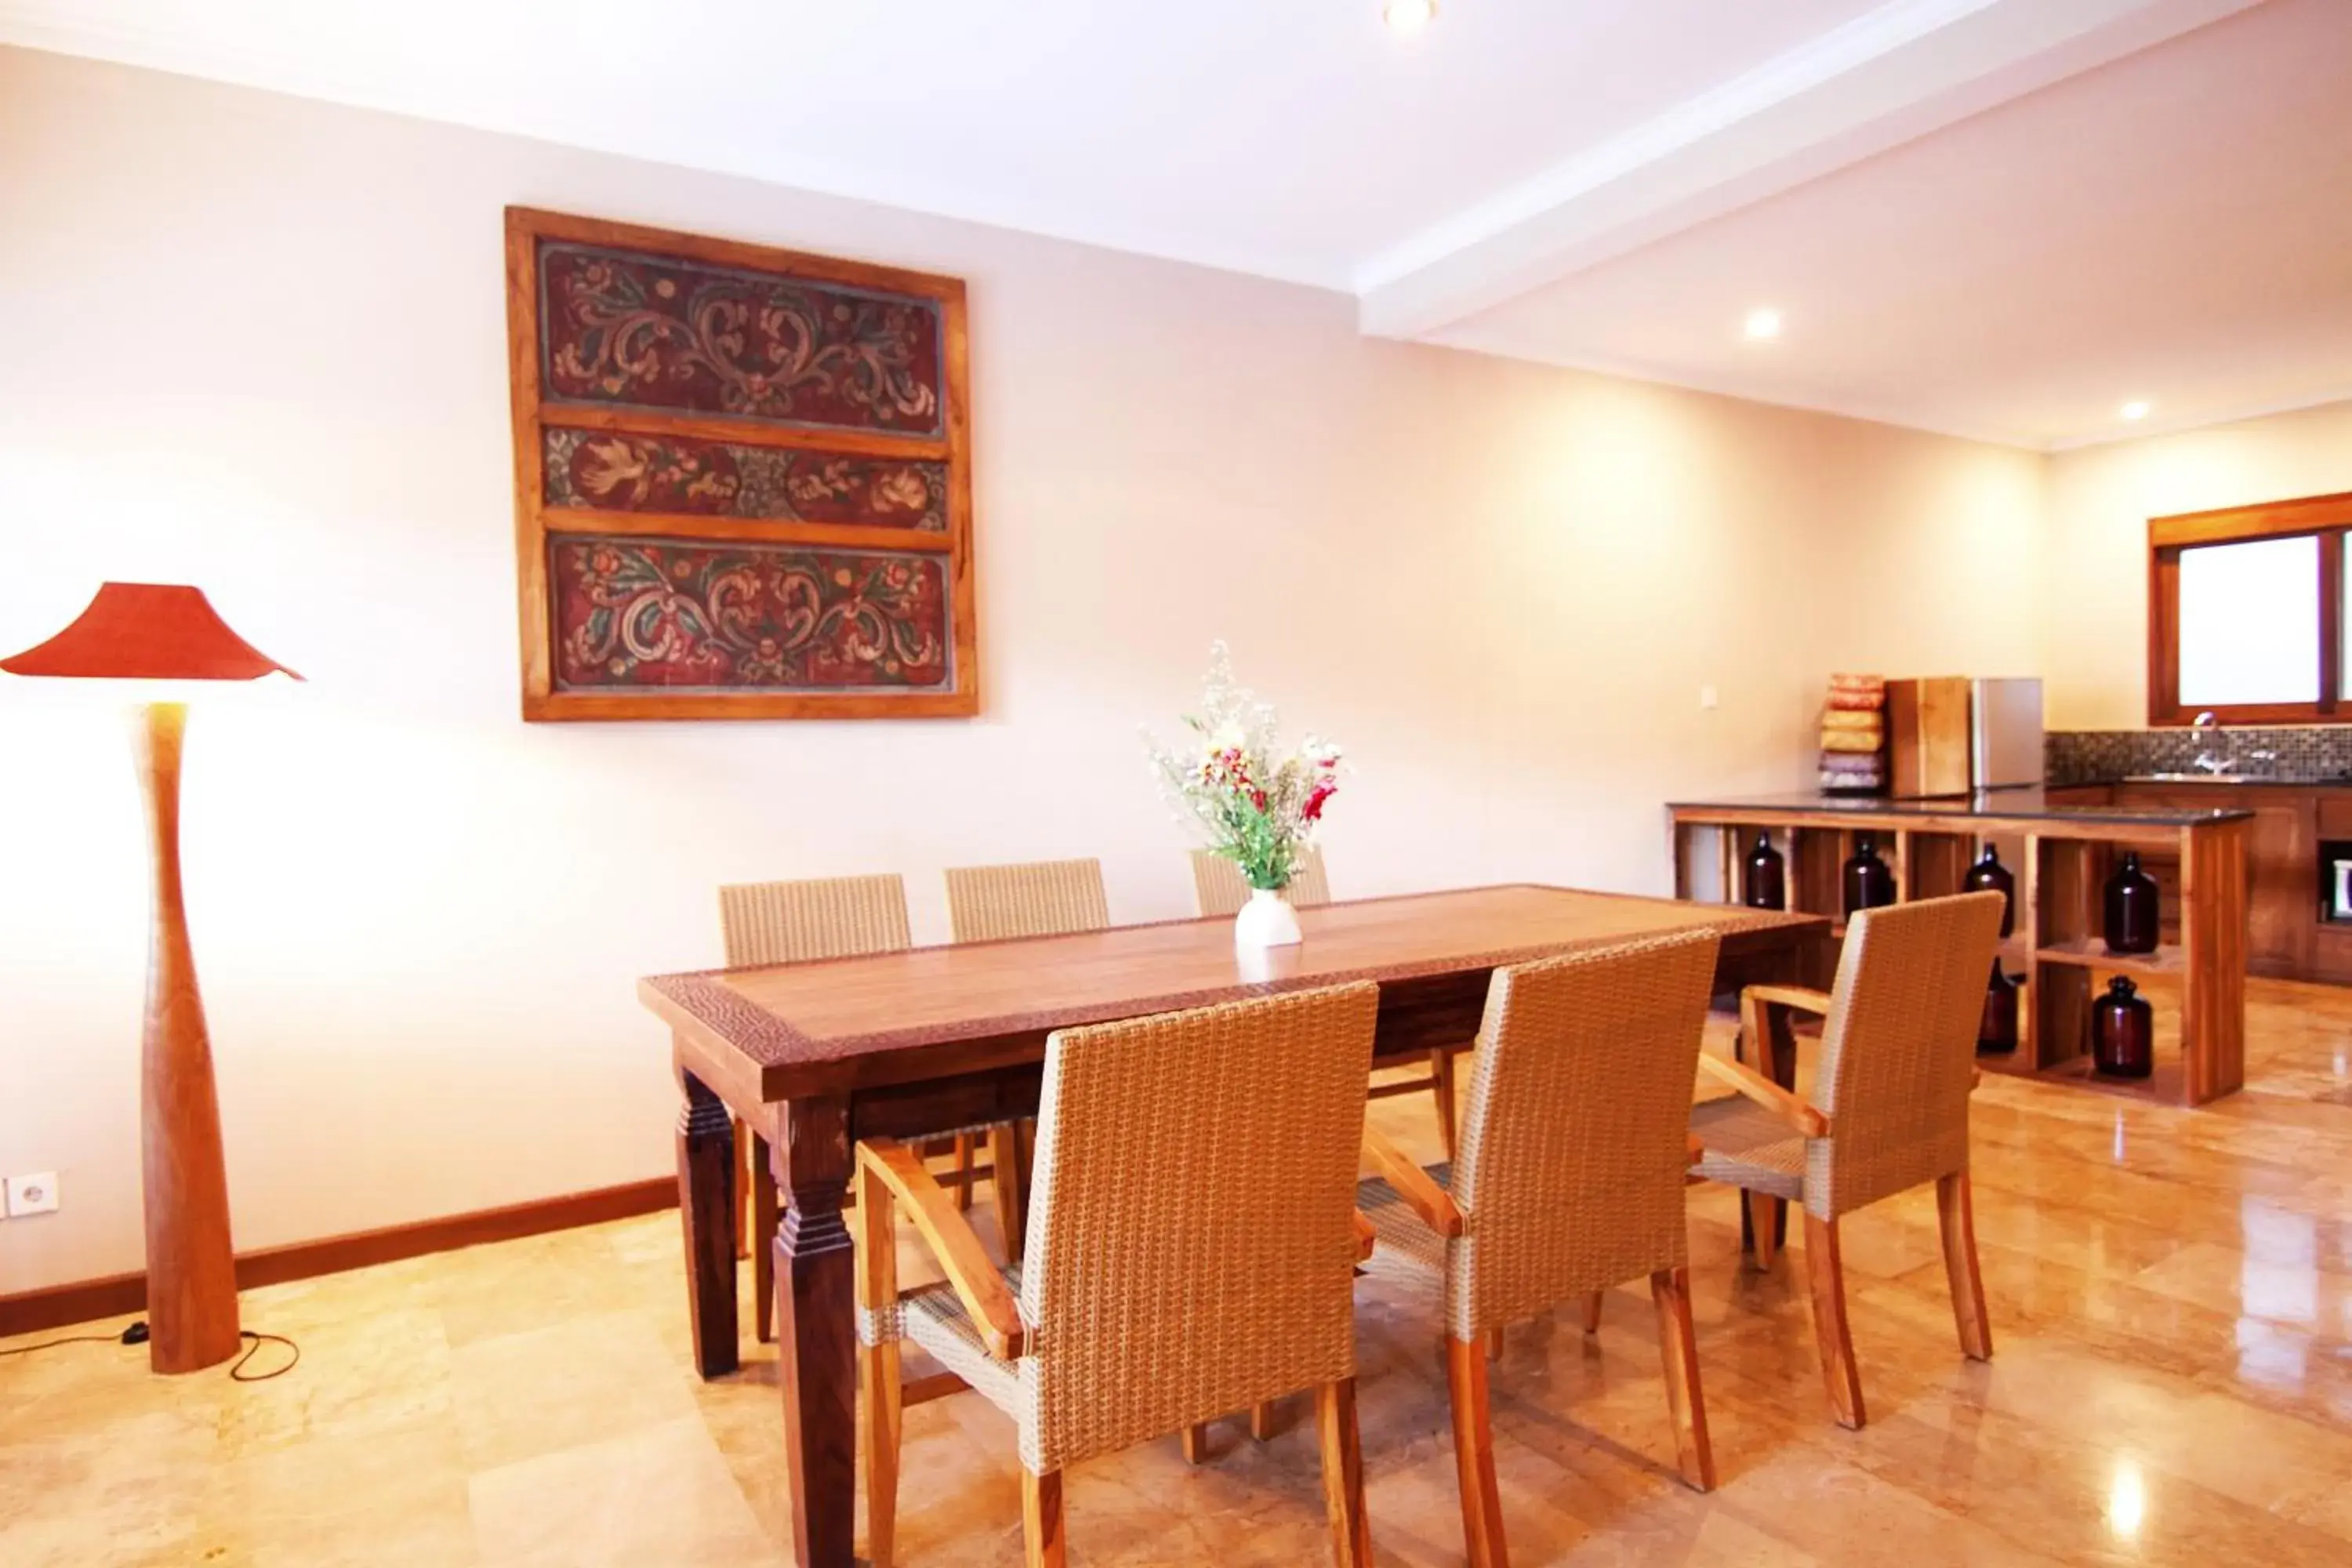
2094 756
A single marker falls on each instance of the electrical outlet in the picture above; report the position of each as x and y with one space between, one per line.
36 1194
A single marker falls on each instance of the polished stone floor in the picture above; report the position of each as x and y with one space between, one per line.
2172 1306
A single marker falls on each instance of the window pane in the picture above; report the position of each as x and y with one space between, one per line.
2250 623
2343 664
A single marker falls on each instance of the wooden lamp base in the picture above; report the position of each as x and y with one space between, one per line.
191 1266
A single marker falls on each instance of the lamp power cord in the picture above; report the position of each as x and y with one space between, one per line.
136 1334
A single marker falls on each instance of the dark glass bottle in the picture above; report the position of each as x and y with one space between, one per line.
2123 1032
1989 875
2134 912
1767 883
1997 1031
1869 881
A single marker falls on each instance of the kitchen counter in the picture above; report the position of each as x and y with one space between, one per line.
2061 843
1987 810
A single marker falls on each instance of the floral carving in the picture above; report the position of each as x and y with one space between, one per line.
663 332
612 471
635 613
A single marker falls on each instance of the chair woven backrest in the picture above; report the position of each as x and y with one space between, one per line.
791 922
1218 887
1576 1138
1898 1049
1044 898
1191 1244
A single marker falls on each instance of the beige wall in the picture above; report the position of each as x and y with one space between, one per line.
2099 503
256 344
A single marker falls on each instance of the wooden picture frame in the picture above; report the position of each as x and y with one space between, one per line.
2328 518
742 479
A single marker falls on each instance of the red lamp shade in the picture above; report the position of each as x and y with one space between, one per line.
147 631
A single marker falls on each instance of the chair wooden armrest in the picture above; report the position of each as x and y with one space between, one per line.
1803 999
1427 1199
1366 1237
952 1241
1781 1102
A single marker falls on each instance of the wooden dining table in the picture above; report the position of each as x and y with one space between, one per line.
813 1057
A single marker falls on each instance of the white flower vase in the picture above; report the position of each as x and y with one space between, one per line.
1267 920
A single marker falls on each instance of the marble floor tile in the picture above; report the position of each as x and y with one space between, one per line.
661 1494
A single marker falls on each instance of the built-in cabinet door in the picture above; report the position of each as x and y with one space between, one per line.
2283 877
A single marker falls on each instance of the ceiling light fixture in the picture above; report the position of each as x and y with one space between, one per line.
1409 16
1763 323
2134 409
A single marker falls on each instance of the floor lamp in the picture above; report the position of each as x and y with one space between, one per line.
156 632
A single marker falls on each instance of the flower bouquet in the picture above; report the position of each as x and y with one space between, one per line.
1258 804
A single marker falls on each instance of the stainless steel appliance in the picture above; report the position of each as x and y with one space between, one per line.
2005 732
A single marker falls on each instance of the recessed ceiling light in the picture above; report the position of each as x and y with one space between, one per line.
1409 16
2134 409
1763 323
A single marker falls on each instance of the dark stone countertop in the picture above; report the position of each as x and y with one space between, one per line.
2025 802
2215 781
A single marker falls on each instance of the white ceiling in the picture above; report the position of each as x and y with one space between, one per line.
2174 228
1958 243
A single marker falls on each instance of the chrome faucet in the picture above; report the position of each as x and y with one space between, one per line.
2219 756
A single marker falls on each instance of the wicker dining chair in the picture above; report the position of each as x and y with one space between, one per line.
989 903
1218 888
1043 898
793 922
1192 1252
1574 1155
1898 1065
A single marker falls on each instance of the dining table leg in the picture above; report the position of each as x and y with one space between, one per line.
705 1204
816 1339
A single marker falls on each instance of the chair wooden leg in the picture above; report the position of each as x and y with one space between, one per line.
1494 1342
1764 1225
764 1240
1343 1474
742 1188
1678 1351
1441 1074
1827 1271
1593 1312
877 1286
1195 1439
1041 1520
1004 1161
1261 1420
1474 1454
1956 1207
965 1144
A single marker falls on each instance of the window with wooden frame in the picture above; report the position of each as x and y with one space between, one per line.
2245 613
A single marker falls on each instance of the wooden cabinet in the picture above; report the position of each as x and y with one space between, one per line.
2286 938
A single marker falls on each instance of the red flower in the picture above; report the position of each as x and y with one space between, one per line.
1313 810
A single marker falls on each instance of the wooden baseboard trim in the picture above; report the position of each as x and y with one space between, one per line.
31 1312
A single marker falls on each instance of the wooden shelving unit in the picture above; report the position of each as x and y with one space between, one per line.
2060 859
